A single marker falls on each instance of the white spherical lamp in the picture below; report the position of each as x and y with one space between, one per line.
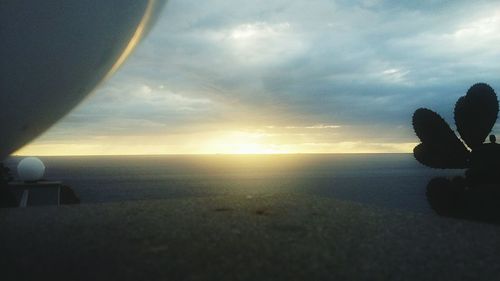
31 169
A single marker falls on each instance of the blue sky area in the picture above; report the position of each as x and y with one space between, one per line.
285 77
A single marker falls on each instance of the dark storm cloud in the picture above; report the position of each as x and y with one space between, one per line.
365 65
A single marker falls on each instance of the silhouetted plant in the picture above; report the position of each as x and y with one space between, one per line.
445 198
5 174
475 116
7 199
452 198
440 147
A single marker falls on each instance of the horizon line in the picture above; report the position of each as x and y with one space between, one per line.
205 154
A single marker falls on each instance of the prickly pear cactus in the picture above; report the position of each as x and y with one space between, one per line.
475 116
440 147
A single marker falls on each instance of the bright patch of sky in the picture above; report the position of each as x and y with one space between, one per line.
286 76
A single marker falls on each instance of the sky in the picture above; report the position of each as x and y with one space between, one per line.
277 76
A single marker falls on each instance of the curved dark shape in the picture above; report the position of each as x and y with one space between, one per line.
453 198
53 53
476 196
485 164
441 157
440 147
476 114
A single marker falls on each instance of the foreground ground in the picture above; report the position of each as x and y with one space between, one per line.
242 238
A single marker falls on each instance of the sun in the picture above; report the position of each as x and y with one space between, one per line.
252 148
243 143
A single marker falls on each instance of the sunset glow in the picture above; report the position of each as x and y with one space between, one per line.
283 77
234 142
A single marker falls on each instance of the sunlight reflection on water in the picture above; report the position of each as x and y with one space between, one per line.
387 180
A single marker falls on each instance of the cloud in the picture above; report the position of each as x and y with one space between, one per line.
231 65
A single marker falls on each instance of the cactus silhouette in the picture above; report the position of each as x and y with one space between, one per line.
475 115
440 147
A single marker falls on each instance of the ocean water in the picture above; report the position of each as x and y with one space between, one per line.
386 180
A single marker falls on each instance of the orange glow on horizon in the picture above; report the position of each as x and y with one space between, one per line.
236 142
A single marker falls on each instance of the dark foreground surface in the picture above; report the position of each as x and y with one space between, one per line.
279 237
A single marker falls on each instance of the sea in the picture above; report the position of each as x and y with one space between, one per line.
394 181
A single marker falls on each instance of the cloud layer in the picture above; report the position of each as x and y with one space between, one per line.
286 76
